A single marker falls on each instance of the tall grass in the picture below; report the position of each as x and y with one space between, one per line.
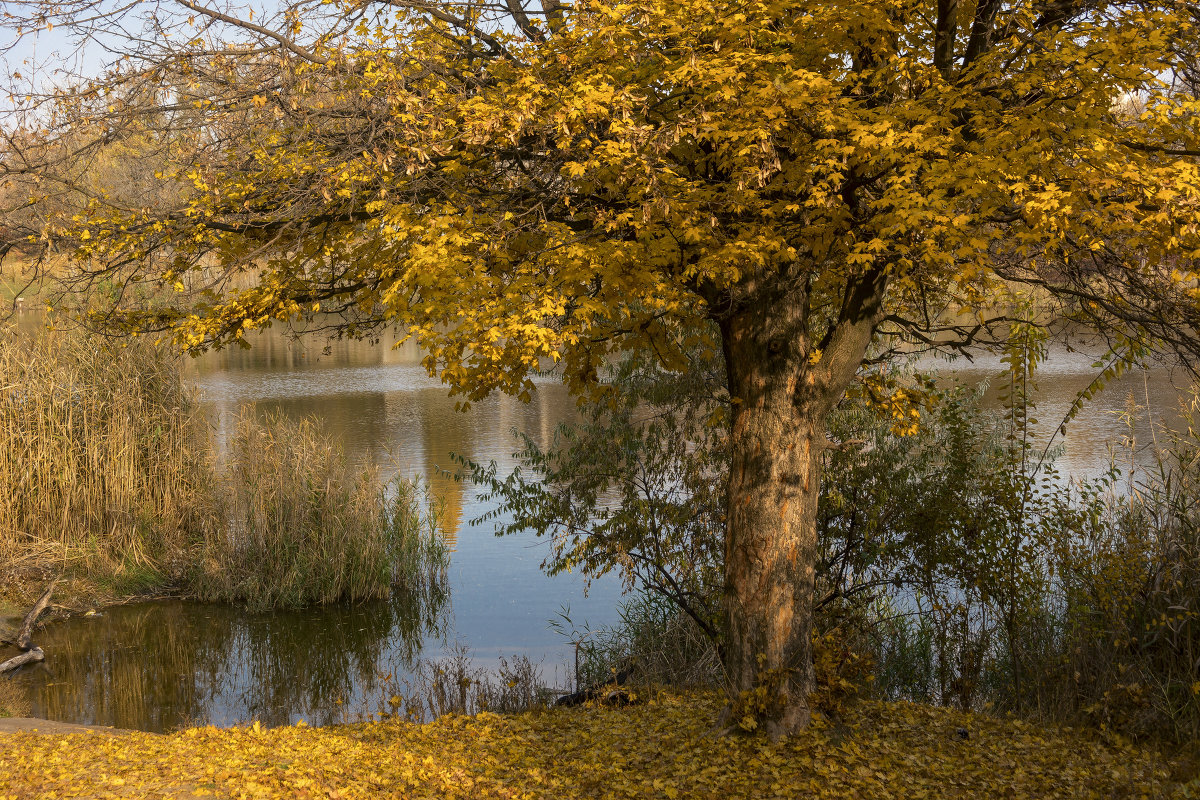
1074 602
662 645
1117 641
101 454
456 684
300 525
107 473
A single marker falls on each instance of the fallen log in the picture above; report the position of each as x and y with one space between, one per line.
609 692
25 636
28 657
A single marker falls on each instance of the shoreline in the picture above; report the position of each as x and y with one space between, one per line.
51 727
72 596
83 598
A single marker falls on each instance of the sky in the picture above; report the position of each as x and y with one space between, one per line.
37 60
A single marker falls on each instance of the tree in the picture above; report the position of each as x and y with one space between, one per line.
517 185
636 487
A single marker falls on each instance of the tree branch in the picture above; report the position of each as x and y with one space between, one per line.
283 41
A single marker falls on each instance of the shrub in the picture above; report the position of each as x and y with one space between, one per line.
663 646
1068 601
1126 609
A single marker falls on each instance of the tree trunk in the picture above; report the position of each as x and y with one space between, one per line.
770 543
782 387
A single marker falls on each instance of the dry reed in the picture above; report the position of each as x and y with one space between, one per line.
101 454
302 526
107 474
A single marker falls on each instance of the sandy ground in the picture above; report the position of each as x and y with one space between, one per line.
29 724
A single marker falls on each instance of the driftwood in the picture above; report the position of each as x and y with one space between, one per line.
609 692
25 636
28 657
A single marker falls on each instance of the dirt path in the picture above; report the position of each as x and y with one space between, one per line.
31 725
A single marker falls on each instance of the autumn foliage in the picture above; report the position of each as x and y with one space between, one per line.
657 750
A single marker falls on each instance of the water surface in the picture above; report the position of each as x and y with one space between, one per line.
167 664
162 665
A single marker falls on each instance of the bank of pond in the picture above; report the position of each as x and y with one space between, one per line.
338 598
661 747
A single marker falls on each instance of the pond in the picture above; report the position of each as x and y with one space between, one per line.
159 666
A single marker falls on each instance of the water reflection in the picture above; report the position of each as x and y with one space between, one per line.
383 407
159 666
162 665
380 404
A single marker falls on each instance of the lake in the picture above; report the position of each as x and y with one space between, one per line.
159 666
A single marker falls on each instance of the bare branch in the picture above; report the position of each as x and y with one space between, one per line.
275 36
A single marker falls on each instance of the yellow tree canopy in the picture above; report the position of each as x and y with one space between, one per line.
523 195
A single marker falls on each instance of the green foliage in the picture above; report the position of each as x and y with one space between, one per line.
1065 600
133 580
636 488
295 524
891 509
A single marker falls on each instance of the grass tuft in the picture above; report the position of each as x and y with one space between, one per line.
301 526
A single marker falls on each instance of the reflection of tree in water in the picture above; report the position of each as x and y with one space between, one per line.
159 666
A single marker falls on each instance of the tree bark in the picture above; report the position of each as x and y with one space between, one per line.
783 386
770 543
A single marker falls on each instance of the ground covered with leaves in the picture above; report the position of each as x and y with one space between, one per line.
662 748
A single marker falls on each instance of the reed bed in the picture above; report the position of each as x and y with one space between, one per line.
303 526
108 474
101 455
